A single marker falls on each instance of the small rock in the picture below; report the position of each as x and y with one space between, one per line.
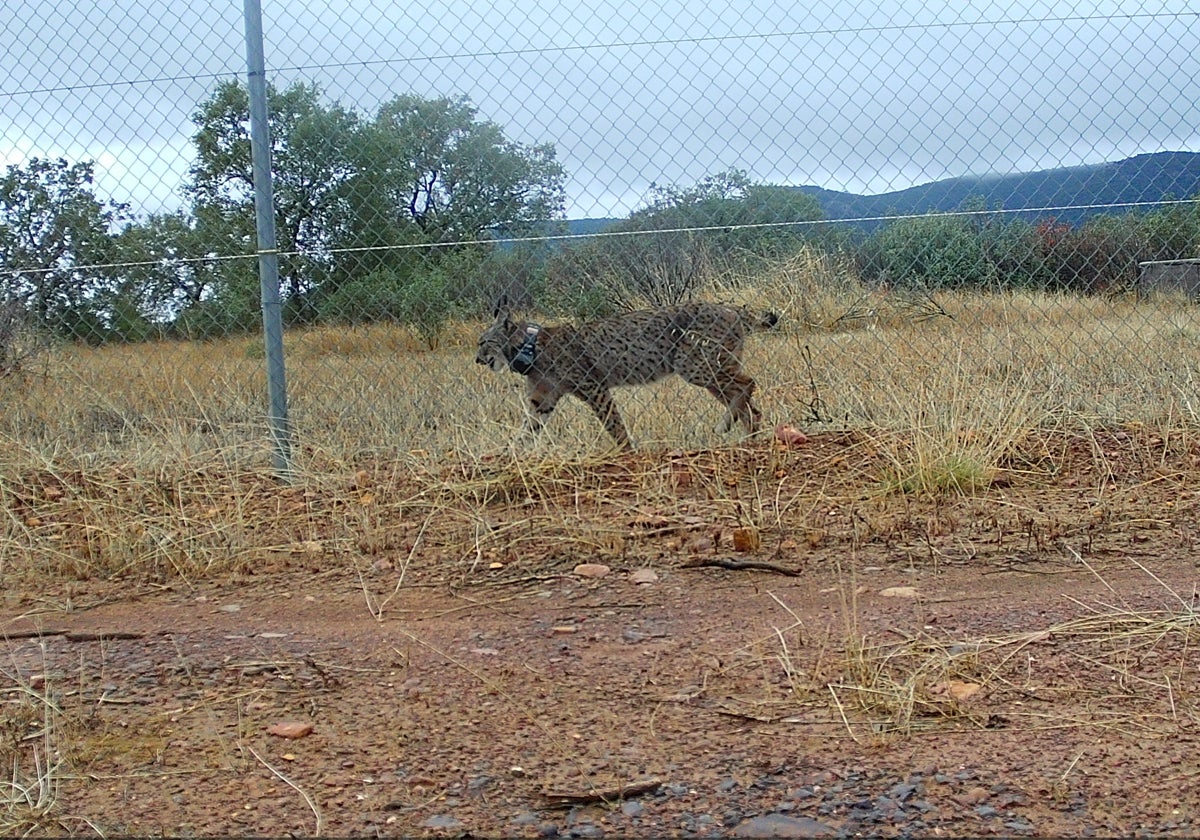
986 811
746 539
290 729
630 808
644 576
899 592
547 829
790 435
592 570
444 821
777 825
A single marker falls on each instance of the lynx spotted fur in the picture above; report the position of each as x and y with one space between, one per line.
701 342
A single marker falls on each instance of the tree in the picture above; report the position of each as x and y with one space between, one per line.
173 259
934 251
754 213
311 159
432 174
687 237
356 196
52 228
452 176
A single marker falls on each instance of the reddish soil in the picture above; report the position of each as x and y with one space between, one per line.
1039 678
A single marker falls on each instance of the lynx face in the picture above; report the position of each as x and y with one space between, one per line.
493 342
701 342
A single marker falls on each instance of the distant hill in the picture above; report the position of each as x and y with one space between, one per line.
583 227
1087 190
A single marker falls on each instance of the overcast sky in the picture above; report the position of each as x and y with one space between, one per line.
847 95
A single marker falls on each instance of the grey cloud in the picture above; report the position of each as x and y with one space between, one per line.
857 98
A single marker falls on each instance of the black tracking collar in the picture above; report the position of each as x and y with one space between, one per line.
522 363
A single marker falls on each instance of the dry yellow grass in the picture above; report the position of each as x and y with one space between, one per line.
993 363
149 463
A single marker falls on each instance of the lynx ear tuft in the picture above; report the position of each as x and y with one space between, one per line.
501 308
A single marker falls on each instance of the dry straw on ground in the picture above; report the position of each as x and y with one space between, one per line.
149 460
145 465
955 362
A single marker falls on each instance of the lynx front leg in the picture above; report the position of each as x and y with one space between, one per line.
733 388
540 401
735 391
602 404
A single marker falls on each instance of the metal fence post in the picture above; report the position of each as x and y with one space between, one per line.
268 256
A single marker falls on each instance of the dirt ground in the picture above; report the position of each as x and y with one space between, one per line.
1019 661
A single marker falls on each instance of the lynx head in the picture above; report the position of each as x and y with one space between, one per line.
497 340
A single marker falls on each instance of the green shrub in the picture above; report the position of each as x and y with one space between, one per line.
939 251
426 300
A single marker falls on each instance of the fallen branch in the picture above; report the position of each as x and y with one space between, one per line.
74 635
739 565
98 636
34 634
565 799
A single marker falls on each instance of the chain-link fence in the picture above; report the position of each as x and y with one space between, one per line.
964 215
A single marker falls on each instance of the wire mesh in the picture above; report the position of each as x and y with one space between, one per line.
964 215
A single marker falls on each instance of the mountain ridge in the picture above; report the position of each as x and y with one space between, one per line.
1075 193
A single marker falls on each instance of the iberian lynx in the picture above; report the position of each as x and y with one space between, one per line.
702 342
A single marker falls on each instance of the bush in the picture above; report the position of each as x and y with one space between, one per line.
517 273
686 240
1102 256
21 339
427 300
942 251
236 310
